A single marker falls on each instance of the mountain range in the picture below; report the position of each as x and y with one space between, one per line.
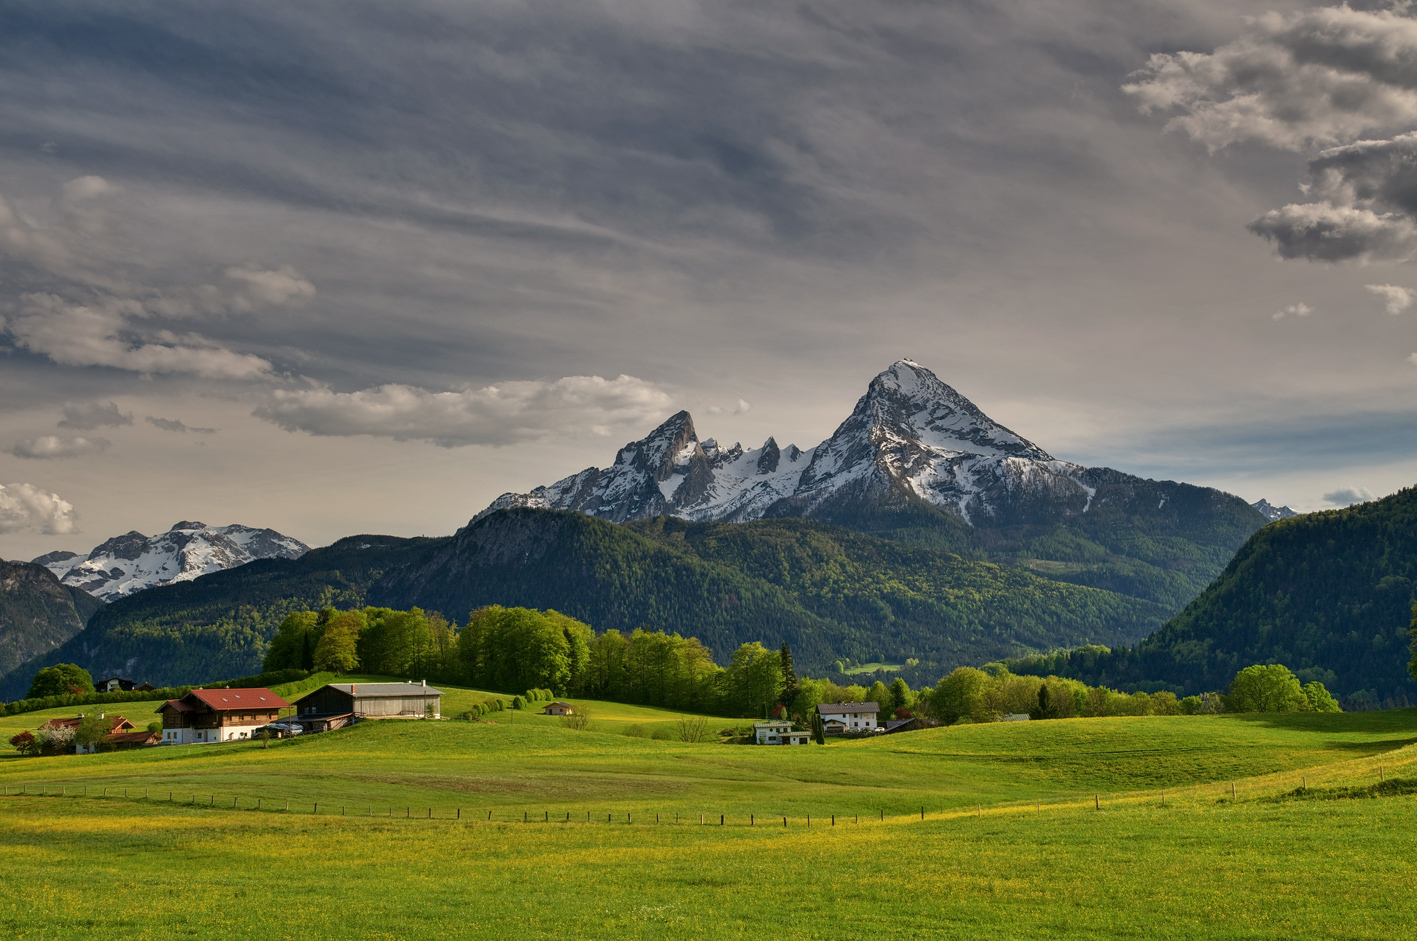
1271 512
921 531
134 562
910 434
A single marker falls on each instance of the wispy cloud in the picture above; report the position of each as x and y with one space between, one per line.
87 415
496 415
1347 496
175 425
1293 310
53 446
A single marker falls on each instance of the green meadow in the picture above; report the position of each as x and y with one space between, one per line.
1113 828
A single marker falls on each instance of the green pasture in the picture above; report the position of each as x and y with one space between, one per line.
1114 828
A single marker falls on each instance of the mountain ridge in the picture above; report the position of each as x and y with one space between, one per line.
132 562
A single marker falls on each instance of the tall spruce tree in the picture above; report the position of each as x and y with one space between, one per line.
790 684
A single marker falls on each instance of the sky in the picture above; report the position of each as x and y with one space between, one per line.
339 268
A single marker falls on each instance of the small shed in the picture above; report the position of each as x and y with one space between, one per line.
558 708
372 701
124 740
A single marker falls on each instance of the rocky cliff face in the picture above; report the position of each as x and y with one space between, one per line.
132 562
37 613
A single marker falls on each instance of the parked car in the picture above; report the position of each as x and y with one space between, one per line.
279 730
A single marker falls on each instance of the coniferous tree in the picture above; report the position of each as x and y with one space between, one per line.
790 683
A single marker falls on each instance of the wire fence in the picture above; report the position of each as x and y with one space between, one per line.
1375 784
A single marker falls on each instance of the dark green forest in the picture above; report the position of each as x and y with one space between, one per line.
828 592
1329 594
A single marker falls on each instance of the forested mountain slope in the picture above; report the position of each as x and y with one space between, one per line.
37 613
1329 595
826 591
218 625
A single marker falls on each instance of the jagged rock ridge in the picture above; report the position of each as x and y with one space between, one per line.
1271 512
909 433
132 562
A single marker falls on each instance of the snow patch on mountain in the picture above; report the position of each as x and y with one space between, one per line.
132 562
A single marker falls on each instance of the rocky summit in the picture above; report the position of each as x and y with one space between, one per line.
909 436
132 562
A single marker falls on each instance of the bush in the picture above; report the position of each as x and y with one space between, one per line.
635 731
661 734
517 702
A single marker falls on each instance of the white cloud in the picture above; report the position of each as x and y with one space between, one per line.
176 425
1294 310
1398 298
282 287
1325 232
741 407
52 446
1347 496
102 335
26 507
495 415
1314 77
86 415
1412 359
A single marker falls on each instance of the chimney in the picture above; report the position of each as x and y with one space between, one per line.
425 682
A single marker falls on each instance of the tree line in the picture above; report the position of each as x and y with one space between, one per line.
509 649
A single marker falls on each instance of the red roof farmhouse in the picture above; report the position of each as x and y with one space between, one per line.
218 715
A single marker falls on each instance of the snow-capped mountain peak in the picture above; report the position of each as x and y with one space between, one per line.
131 562
1271 512
910 432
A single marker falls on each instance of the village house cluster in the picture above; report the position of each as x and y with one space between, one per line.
205 716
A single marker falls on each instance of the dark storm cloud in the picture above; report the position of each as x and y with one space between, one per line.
1316 77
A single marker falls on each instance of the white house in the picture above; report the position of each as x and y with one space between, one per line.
779 732
839 717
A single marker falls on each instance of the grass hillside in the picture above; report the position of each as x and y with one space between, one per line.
827 591
1045 829
1329 595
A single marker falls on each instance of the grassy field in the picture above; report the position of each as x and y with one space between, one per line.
1048 829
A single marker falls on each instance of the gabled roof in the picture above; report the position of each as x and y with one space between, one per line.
228 700
847 708
73 723
383 690
129 738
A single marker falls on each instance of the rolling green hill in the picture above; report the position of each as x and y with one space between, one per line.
1330 595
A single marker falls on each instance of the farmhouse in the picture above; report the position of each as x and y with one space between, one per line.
839 717
779 732
120 725
371 701
113 684
218 715
558 708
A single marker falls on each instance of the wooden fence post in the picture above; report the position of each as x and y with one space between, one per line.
1095 804
750 820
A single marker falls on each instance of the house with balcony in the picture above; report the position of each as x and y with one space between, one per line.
218 715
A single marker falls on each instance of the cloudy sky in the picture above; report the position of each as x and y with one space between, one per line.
361 267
